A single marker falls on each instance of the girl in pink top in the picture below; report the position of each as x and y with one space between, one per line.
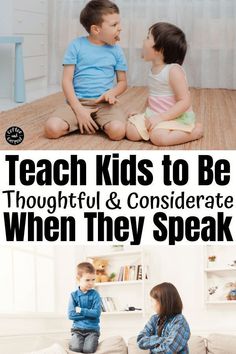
168 119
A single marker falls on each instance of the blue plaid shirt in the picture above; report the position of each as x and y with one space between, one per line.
174 337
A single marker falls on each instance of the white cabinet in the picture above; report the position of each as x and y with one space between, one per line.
35 67
30 20
125 295
220 274
27 19
31 5
35 45
29 23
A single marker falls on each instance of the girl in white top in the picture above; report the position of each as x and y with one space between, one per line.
169 119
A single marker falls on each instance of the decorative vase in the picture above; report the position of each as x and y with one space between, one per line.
211 264
117 248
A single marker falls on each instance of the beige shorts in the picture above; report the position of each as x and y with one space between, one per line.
138 120
105 114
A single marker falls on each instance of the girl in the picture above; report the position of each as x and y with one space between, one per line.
169 119
166 332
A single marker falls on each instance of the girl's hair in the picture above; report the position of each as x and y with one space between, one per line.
170 40
93 12
170 302
168 297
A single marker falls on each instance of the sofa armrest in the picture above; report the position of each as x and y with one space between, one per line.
221 343
133 347
197 345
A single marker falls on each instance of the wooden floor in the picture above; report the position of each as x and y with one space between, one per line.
215 108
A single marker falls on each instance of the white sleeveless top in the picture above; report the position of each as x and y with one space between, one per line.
161 96
159 83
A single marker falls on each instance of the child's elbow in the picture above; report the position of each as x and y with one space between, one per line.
140 345
65 82
71 315
98 313
187 102
140 342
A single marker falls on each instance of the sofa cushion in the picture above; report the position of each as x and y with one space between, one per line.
111 345
133 347
23 344
53 349
221 344
197 345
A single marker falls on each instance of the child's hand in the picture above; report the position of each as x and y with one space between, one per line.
85 121
107 97
132 114
78 309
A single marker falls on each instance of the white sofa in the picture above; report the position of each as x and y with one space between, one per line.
213 344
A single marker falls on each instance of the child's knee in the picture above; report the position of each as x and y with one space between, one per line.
158 139
55 127
116 130
89 349
76 345
132 133
90 344
74 348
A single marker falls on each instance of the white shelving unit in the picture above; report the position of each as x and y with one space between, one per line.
126 292
120 283
219 273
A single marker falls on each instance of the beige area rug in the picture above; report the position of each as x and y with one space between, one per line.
216 109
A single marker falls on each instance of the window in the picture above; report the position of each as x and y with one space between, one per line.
27 278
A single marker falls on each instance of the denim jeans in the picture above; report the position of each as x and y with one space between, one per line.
84 341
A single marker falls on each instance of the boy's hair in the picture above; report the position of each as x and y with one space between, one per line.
169 299
170 40
85 267
93 12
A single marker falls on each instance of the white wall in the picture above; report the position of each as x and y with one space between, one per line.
65 261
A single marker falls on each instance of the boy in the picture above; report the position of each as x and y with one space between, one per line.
90 66
85 310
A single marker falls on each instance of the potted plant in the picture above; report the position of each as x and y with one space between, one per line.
211 261
112 276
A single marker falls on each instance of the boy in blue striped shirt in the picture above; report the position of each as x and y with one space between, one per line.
167 332
84 310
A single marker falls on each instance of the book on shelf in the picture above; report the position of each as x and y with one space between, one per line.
130 272
139 272
121 273
126 273
108 304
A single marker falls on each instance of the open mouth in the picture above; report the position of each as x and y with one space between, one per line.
117 38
